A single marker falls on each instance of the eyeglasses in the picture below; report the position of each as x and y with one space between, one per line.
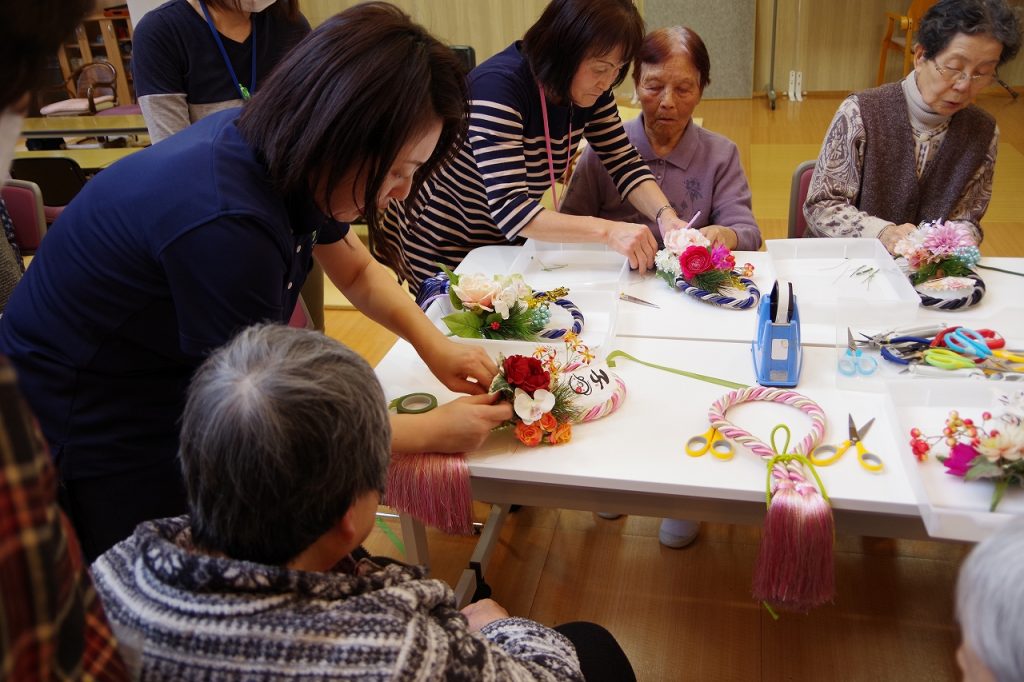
956 76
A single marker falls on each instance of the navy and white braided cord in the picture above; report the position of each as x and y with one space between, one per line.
753 295
956 303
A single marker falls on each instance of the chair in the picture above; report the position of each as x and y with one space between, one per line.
466 54
904 42
797 196
59 178
24 203
95 89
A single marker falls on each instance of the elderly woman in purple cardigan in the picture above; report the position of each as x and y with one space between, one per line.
699 171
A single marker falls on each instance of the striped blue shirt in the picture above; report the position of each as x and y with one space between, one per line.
492 189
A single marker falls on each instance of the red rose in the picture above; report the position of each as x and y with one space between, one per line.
525 373
694 261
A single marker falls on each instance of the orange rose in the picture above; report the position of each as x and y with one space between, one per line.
529 434
548 422
561 434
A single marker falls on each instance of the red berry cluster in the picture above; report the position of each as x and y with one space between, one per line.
956 428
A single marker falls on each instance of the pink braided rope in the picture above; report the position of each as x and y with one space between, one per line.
791 476
608 406
773 395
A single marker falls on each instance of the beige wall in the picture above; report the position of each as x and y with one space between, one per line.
834 42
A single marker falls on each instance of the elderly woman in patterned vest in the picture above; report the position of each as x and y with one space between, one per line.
918 150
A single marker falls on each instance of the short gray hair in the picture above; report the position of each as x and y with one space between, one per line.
990 601
283 429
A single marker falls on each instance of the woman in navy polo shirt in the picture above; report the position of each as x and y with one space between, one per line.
168 253
193 58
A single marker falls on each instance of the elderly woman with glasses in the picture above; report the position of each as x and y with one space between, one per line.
918 150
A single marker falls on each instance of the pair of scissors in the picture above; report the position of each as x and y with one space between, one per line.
973 341
965 341
630 298
712 441
823 455
853 361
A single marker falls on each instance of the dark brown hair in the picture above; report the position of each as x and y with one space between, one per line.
288 9
994 18
659 45
569 31
349 97
30 32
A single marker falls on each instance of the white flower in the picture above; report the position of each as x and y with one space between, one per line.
1008 445
910 244
531 409
666 261
476 291
677 241
512 290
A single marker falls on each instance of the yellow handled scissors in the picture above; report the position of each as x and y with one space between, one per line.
712 441
823 455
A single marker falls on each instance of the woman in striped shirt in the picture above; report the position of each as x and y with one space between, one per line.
531 106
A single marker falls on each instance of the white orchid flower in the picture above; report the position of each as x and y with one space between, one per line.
531 409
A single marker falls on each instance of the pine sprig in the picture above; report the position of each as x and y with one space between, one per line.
947 267
564 409
713 280
520 325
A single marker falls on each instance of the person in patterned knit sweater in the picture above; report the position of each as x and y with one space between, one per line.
285 444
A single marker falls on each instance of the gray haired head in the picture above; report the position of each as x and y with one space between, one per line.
284 428
990 601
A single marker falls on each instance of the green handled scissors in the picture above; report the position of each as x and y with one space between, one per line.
823 455
712 441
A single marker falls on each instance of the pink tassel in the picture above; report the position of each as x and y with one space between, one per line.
794 565
432 488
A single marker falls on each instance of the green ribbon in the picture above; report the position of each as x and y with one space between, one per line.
390 535
693 375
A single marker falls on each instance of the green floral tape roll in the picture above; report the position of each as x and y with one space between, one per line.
414 403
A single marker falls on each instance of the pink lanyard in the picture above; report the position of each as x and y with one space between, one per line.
547 144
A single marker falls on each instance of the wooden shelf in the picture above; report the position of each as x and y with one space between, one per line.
101 38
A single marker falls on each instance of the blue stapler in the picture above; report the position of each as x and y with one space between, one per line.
776 347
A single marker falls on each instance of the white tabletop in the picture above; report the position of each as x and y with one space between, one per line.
641 447
683 317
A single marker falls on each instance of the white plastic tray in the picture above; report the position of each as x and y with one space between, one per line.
547 265
821 272
599 308
951 507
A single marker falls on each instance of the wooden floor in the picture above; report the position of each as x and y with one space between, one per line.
687 614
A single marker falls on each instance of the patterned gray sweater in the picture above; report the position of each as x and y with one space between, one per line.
183 615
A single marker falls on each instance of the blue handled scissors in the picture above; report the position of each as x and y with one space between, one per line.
823 455
854 361
711 441
968 342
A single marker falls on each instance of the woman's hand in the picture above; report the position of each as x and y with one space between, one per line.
891 236
454 363
483 612
633 241
461 425
720 234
